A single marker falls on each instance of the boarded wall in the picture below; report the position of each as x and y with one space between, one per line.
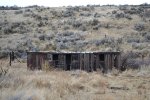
70 61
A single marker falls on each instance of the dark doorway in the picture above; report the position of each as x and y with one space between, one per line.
55 59
101 57
101 62
68 61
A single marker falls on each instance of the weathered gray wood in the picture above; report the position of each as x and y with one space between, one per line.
10 58
87 62
65 65
92 62
106 63
112 59
82 61
97 62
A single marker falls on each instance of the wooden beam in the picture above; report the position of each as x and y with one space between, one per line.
10 56
106 63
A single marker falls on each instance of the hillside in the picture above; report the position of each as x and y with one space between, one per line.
71 28
83 28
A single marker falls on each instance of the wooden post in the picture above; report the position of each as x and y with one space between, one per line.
119 61
10 58
91 60
106 63
97 61
65 65
112 60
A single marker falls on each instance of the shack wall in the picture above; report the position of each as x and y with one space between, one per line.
70 61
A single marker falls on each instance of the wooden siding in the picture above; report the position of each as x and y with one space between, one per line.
70 61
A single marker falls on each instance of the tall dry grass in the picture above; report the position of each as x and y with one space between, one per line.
22 84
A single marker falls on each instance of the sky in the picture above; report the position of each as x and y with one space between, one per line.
58 3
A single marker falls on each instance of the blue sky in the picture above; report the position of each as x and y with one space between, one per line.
57 3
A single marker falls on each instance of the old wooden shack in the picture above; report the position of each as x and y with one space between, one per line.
89 61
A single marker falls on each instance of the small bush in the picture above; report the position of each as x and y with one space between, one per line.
130 60
114 12
10 7
133 39
147 37
85 14
96 15
93 22
146 13
77 24
18 12
67 13
119 15
67 40
66 27
138 46
7 30
139 27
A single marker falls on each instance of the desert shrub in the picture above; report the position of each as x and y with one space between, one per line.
80 45
146 13
147 37
133 63
128 16
139 27
56 13
96 15
83 28
42 37
10 7
67 13
93 22
122 7
138 46
3 54
16 27
61 45
108 40
143 33
68 33
18 12
134 11
104 41
66 27
41 24
119 40
76 8
67 39
28 10
125 59
96 27
119 15
122 15
39 9
7 29
87 8
114 12
133 39
77 24
85 14
27 14
131 60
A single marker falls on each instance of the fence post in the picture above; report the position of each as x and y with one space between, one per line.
10 58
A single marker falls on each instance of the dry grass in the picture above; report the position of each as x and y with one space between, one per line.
22 84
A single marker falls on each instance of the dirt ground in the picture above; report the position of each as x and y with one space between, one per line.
21 84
